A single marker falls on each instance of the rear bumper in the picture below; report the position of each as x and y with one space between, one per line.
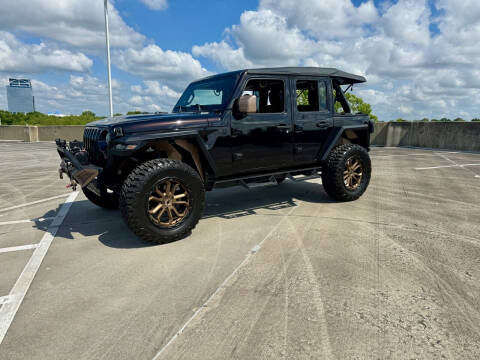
78 172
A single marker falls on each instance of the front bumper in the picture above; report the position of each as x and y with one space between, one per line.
79 172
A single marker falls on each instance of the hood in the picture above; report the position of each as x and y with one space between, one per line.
150 122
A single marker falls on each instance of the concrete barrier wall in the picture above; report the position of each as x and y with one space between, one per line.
12 132
50 133
437 135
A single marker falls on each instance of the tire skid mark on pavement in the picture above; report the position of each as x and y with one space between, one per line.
317 295
19 290
201 308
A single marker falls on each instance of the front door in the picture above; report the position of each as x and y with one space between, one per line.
263 140
313 120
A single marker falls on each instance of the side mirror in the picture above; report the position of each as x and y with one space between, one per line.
247 104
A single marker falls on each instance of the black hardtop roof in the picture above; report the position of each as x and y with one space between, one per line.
342 76
346 78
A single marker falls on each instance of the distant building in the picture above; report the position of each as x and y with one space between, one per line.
20 96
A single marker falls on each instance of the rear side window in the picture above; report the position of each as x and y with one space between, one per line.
270 94
322 88
307 95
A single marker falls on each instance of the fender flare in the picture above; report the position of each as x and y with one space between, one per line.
180 138
335 136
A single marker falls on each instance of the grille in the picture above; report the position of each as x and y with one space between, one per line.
91 139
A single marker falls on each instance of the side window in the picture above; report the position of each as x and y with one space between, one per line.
269 93
322 87
307 95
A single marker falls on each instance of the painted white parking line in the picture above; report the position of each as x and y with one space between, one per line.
26 221
34 202
447 166
17 294
18 248
454 163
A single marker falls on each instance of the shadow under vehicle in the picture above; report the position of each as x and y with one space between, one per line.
251 127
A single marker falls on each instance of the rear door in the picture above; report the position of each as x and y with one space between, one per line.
264 140
312 114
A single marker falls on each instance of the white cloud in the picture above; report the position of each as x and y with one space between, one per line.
154 88
266 37
153 95
174 68
224 55
156 4
17 57
78 23
408 21
325 19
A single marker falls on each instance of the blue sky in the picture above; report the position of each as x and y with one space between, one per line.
419 56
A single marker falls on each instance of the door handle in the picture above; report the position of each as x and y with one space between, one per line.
298 128
283 128
323 125
237 156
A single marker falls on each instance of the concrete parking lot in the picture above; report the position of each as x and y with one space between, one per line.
270 273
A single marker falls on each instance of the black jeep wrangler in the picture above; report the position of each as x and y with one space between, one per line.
244 127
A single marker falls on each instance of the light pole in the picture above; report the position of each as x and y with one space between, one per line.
107 38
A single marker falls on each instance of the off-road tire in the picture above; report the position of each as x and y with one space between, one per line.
332 172
106 201
137 187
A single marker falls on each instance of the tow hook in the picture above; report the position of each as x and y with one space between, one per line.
73 184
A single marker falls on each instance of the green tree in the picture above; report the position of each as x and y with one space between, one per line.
475 119
88 113
459 119
136 112
37 118
445 119
357 104
400 120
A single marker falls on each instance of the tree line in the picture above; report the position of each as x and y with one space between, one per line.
437 120
38 118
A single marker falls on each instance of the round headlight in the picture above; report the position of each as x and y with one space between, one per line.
118 131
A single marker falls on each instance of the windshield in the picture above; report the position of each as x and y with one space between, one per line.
211 94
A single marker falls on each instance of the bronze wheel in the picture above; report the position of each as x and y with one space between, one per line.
169 203
352 175
162 200
346 172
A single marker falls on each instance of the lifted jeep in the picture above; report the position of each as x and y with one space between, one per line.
245 127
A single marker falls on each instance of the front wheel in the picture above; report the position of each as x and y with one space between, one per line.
346 173
162 200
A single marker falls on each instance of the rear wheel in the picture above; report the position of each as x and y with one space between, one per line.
346 173
108 200
162 200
